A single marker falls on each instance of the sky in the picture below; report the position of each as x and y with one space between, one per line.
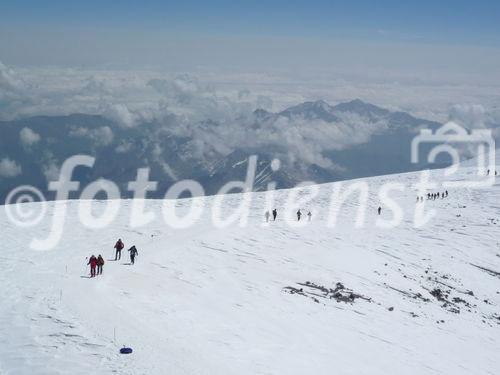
455 21
150 32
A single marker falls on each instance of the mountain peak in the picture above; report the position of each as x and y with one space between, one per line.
320 104
362 108
260 113
316 104
321 110
312 110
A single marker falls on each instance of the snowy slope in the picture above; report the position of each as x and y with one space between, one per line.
235 301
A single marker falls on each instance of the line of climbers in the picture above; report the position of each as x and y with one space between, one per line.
430 196
267 215
96 263
434 196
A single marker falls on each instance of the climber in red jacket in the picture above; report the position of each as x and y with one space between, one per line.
93 264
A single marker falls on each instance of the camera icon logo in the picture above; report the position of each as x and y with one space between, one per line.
454 140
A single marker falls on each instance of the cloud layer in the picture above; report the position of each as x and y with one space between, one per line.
215 112
130 95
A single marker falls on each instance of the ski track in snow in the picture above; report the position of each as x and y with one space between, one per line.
261 299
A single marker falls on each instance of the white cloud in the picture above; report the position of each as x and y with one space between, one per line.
468 115
120 113
123 147
29 137
157 155
295 139
51 170
101 136
9 168
475 116
10 81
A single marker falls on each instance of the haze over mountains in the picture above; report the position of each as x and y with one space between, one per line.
314 141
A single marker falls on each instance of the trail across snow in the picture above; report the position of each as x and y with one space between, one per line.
261 299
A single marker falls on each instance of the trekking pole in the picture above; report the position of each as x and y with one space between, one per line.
86 264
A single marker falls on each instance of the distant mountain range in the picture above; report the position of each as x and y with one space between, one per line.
349 140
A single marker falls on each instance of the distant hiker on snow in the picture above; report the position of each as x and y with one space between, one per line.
275 213
133 253
299 214
119 247
379 210
93 264
309 215
267 216
100 263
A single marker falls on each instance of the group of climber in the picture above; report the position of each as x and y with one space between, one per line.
119 246
434 196
275 215
96 263
268 215
299 214
430 196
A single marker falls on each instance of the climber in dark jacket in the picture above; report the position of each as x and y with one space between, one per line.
100 263
133 253
119 247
